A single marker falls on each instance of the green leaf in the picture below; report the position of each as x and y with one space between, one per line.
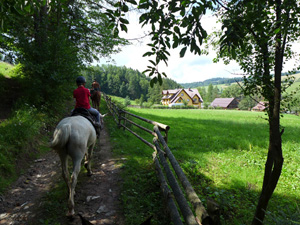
27 8
147 54
152 62
123 27
177 30
159 79
277 30
125 21
125 8
132 2
182 52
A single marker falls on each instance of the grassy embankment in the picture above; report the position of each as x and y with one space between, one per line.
223 153
24 134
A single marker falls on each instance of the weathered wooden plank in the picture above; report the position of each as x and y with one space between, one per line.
171 206
178 194
200 211
160 125
139 126
142 139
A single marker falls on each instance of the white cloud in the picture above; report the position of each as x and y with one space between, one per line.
191 68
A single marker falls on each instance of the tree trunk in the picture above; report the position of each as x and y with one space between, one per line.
272 173
274 161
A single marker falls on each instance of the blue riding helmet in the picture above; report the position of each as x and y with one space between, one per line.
80 80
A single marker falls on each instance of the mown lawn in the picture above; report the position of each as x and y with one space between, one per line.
224 153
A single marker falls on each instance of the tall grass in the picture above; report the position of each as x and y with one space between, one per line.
224 153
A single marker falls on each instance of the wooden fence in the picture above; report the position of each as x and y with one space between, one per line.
181 190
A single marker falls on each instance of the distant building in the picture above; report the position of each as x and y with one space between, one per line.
178 96
225 103
261 106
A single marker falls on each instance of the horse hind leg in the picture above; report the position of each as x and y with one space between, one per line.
66 177
65 171
74 177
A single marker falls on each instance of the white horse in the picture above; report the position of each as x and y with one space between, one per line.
75 137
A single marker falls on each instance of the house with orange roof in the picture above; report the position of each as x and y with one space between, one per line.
179 96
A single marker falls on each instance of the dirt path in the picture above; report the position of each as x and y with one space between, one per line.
97 197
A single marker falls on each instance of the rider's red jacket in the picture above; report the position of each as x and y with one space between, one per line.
82 94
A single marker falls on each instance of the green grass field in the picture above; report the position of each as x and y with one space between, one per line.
224 153
296 84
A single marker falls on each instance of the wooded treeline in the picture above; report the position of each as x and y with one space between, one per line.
213 81
126 82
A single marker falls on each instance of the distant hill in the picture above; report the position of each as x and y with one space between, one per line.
218 81
213 81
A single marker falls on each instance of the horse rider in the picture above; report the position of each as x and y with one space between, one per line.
82 95
95 85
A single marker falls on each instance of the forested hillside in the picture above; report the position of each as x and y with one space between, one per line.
123 82
213 81
217 81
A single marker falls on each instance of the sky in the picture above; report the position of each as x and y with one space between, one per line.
190 68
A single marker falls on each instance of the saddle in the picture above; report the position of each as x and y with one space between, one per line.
92 91
86 114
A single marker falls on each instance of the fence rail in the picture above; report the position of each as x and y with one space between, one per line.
163 158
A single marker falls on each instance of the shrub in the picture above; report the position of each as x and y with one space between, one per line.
127 101
147 104
16 134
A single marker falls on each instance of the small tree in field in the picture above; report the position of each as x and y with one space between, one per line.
257 34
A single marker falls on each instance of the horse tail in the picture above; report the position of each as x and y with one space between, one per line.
61 137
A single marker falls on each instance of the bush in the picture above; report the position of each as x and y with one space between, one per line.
127 101
147 104
16 134
156 106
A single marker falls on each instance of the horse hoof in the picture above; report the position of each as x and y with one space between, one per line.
89 173
71 214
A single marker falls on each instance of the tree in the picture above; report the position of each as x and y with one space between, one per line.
257 34
210 94
52 40
202 92
123 89
232 91
141 100
247 103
